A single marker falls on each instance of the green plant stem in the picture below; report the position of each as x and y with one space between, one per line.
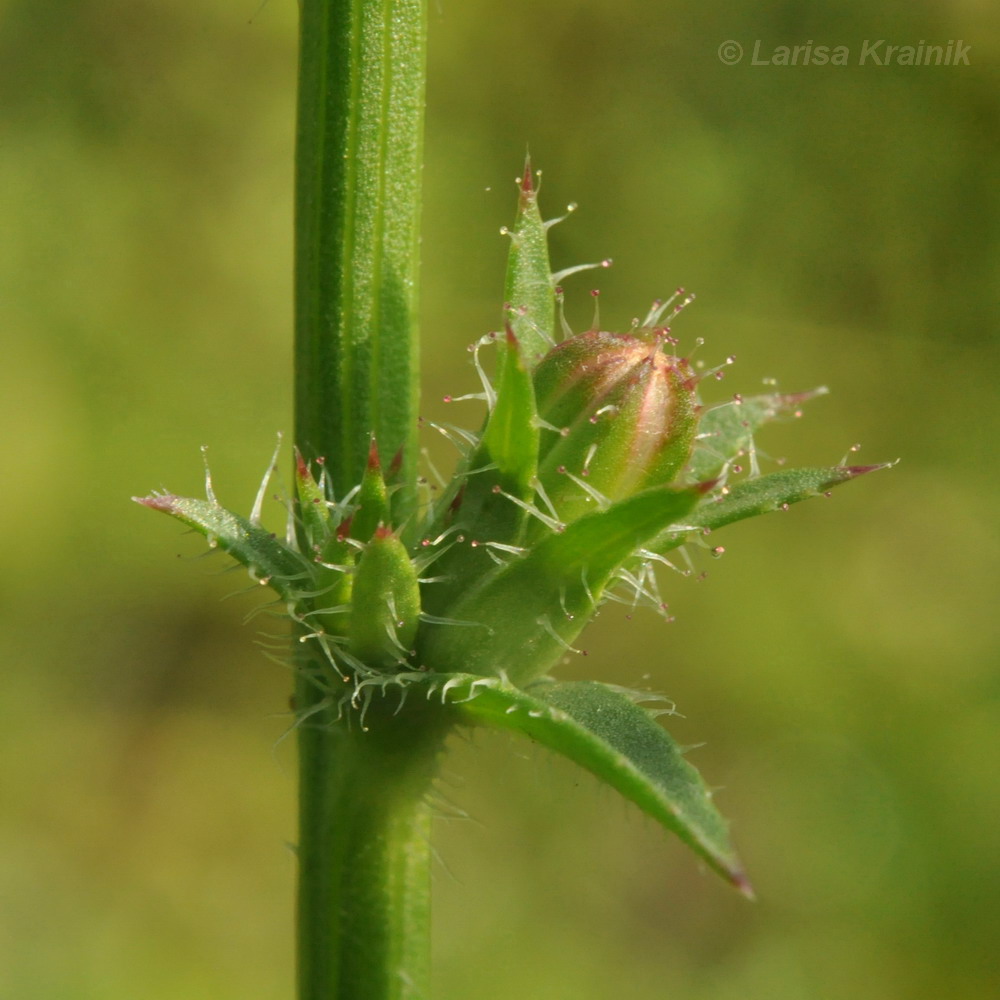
357 212
364 859
363 894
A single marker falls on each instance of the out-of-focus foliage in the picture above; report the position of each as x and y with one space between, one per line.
839 225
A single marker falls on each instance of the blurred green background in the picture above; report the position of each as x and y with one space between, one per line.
840 662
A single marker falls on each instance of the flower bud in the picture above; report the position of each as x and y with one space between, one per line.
618 415
385 603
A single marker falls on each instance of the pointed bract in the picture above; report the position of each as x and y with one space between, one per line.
764 495
521 618
385 603
268 560
603 730
529 293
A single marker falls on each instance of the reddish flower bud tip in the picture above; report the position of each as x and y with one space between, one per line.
374 465
382 532
344 528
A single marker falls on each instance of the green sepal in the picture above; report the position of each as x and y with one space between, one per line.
529 293
269 561
372 500
510 441
504 462
313 510
324 542
520 618
772 492
725 432
602 729
334 580
385 603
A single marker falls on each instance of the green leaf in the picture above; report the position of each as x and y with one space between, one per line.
529 293
603 730
529 609
510 441
726 432
269 561
763 495
600 542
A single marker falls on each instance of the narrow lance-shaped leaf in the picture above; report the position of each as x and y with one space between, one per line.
269 561
530 296
763 495
509 444
521 617
726 431
603 730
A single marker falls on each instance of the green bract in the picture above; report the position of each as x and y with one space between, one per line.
596 457
385 603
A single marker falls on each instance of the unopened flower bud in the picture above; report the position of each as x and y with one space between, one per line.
385 603
618 415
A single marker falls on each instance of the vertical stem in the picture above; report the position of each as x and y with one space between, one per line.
363 852
357 211
364 859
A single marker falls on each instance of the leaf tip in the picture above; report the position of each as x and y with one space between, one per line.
527 187
741 883
853 471
301 467
166 502
795 398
